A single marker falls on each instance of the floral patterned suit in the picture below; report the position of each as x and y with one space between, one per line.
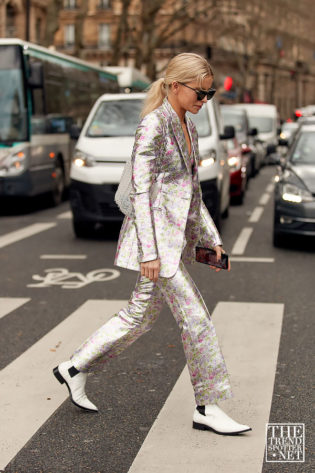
169 220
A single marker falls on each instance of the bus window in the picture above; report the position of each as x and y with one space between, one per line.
13 115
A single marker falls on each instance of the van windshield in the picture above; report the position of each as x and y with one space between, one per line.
201 120
263 124
116 118
231 118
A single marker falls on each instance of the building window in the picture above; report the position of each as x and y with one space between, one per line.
10 21
104 36
70 4
69 36
104 4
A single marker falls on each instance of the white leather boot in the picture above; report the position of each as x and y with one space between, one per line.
75 383
216 420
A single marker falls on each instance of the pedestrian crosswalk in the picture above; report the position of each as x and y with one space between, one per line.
8 304
249 335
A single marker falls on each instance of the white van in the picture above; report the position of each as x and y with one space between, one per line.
106 142
265 118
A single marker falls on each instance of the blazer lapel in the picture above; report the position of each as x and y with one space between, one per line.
178 133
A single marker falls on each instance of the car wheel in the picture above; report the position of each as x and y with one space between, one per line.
239 200
278 239
81 229
57 192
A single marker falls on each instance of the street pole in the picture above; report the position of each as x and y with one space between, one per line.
27 20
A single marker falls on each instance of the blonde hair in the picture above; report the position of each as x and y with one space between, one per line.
185 67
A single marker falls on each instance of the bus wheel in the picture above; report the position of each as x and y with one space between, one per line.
58 184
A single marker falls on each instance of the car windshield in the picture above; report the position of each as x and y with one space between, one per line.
289 126
233 119
263 124
115 118
304 151
201 120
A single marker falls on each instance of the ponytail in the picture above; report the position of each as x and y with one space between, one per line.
154 97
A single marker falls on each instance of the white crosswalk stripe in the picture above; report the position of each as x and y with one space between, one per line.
27 382
249 335
8 304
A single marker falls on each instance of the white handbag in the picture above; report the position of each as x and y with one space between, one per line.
122 195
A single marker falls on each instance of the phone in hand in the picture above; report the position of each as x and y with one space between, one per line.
209 256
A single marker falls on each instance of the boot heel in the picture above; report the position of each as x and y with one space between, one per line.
199 426
58 375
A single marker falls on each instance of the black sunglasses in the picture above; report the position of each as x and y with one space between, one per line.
201 93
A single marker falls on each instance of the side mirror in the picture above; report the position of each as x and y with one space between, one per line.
278 131
271 149
253 132
228 134
75 131
35 78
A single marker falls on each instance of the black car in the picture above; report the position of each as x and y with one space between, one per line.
295 189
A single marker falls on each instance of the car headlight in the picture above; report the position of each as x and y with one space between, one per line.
82 159
234 162
293 193
208 159
13 164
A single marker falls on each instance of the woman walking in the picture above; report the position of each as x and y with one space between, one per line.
169 220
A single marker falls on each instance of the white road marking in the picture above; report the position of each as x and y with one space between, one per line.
249 335
8 304
264 199
25 232
65 215
256 214
270 188
241 242
63 257
248 259
29 393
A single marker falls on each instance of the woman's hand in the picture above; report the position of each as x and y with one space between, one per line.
219 251
151 269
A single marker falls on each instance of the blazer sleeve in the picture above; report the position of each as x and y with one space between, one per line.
148 141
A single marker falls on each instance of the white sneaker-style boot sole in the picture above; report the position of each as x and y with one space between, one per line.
75 385
217 421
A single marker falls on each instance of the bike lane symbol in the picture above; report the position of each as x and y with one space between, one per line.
73 280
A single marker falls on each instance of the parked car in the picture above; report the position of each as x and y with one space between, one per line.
237 162
288 130
245 136
106 142
294 211
264 117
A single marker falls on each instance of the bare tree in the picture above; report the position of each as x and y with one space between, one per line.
146 26
52 21
81 15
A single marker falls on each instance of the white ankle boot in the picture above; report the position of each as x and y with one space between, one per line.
75 385
217 421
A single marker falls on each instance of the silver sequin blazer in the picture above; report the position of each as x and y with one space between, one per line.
170 216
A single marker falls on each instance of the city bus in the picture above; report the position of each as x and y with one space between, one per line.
45 97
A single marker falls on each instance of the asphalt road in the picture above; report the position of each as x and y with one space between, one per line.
49 435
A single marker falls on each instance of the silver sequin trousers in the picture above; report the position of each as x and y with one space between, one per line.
205 361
